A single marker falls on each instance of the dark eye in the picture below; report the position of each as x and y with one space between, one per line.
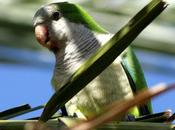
56 16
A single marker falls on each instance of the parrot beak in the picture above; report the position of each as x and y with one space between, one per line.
42 36
41 33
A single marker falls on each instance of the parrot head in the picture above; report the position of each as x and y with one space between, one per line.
56 23
69 32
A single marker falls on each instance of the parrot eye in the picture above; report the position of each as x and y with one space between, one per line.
56 16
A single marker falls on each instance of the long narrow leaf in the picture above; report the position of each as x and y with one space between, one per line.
103 57
5 114
157 117
18 113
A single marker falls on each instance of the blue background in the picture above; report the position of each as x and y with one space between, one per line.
28 79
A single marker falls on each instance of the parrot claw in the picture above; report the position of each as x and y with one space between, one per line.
129 117
64 111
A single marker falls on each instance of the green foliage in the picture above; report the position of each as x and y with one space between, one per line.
17 111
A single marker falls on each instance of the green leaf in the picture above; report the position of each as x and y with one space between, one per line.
17 111
103 57
157 117
5 114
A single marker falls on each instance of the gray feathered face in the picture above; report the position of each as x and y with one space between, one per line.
57 23
68 31
51 27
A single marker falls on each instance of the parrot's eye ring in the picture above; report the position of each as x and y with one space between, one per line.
56 16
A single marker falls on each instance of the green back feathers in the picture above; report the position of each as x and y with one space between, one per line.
77 14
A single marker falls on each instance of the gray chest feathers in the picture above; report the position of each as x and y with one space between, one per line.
112 84
109 86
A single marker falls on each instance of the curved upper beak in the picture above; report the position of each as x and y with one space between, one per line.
41 34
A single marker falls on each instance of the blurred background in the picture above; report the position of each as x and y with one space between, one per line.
26 67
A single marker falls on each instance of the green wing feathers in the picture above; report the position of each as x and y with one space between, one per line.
135 76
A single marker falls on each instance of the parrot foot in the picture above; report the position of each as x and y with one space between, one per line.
129 117
64 111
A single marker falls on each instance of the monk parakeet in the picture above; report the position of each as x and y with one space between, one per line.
69 32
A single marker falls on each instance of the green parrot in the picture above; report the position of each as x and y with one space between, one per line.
68 31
